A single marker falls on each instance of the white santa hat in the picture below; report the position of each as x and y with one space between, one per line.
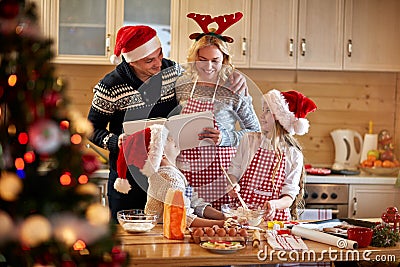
143 149
134 43
290 109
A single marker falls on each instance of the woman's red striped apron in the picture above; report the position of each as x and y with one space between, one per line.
202 165
263 179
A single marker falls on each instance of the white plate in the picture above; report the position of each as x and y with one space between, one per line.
226 250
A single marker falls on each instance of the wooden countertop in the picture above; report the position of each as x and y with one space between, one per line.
152 249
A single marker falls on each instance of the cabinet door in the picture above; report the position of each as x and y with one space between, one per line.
81 33
239 31
372 35
370 201
320 36
274 34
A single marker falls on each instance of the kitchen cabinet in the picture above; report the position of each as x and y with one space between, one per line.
372 35
283 34
302 34
370 201
84 31
239 31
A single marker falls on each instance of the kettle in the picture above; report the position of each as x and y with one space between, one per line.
348 145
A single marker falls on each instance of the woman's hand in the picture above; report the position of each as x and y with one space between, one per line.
121 139
211 133
237 83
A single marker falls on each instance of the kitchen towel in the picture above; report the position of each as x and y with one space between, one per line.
284 241
315 214
370 143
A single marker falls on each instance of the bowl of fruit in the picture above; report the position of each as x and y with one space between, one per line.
380 163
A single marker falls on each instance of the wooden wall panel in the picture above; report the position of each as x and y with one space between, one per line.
344 100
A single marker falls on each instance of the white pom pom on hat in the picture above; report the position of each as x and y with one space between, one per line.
290 109
143 149
134 43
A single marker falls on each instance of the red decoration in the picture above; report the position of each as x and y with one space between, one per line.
51 99
392 217
90 163
224 22
9 9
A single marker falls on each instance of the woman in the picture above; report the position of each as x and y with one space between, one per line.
200 89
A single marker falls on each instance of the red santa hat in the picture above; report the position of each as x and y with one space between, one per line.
134 43
290 109
143 149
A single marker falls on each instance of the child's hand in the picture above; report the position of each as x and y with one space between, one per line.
233 191
270 207
121 139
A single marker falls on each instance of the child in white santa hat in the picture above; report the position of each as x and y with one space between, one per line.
154 153
268 166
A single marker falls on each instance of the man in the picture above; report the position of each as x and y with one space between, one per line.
120 96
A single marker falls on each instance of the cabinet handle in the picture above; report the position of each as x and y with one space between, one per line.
303 47
354 206
349 48
108 42
244 46
291 47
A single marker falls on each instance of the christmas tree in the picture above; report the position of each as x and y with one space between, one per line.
50 214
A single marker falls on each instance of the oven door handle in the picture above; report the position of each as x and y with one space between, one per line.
335 211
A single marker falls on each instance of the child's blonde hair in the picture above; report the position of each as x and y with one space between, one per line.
280 135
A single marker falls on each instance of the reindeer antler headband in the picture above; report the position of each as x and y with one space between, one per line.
224 22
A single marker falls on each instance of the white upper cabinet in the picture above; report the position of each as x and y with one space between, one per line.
239 31
84 31
302 34
273 34
372 35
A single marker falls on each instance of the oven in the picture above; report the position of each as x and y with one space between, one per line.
328 196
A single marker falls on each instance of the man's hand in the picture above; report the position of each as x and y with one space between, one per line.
237 83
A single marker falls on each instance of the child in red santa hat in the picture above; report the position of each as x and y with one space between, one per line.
154 153
268 165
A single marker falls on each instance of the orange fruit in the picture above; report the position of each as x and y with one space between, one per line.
378 163
387 164
367 163
371 157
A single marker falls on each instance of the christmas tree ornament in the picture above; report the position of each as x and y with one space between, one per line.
9 9
98 214
35 230
45 136
6 227
10 186
91 163
88 189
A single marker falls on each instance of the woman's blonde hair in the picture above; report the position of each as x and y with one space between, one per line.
209 40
